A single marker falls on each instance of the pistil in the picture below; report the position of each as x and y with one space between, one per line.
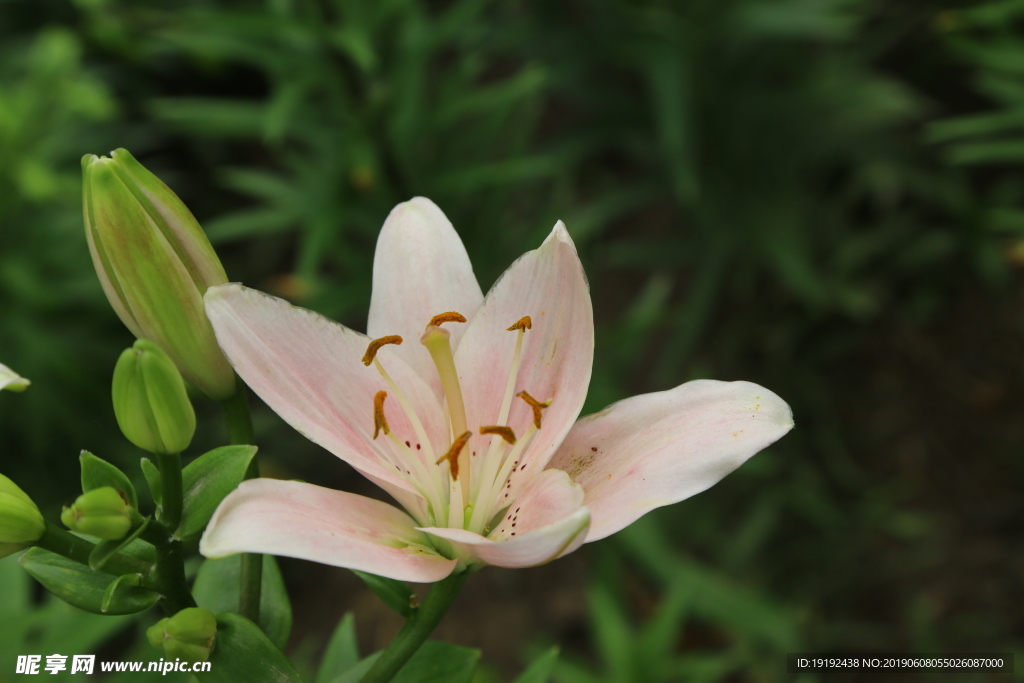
438 343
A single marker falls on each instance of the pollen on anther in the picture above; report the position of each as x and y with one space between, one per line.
504 432
449 317
452 456
524 323
536 405
379 421
374 347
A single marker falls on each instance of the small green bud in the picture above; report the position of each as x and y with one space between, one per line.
155 263
102 513
21 523
150 401
12 381
189 634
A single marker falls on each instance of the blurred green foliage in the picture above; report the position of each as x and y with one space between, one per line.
756 187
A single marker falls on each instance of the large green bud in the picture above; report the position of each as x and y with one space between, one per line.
188 635
102 513
155 263
21 524
12 381
150 401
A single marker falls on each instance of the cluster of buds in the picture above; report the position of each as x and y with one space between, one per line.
102 513
188 635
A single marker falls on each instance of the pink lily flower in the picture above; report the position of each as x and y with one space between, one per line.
463 408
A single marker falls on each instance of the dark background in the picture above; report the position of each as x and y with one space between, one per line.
821 196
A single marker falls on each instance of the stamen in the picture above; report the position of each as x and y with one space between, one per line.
536 405
449 317
379 421
504 432
524 323
492 461
374 347
452 456
487 500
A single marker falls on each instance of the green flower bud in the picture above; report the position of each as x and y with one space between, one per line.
21 524
155 263
102 513
150 401
189 634
12 381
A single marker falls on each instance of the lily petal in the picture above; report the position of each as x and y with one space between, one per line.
420 269
11 380
308 369
294 519
547 284
545 523
660 448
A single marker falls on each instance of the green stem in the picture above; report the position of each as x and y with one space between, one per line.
237 417
171 492
240 431
170 568
60 541
416 630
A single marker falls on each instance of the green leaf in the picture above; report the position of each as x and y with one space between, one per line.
395 594
97 473
435 661
104 550
612 631
216 589
540 670
82 587
242 652
206 481
342 651
152 474
120 583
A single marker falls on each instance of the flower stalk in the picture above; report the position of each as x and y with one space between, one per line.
239 424
417 629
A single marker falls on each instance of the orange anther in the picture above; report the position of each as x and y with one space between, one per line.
452 456
379 421
536 405
504 432
524 323
374 347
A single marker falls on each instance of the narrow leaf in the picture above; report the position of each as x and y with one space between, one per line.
216 589
242 652
82 587
342 651
152 474
206 481
435 661
540 670
395 594
121 582
104 550
97 473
